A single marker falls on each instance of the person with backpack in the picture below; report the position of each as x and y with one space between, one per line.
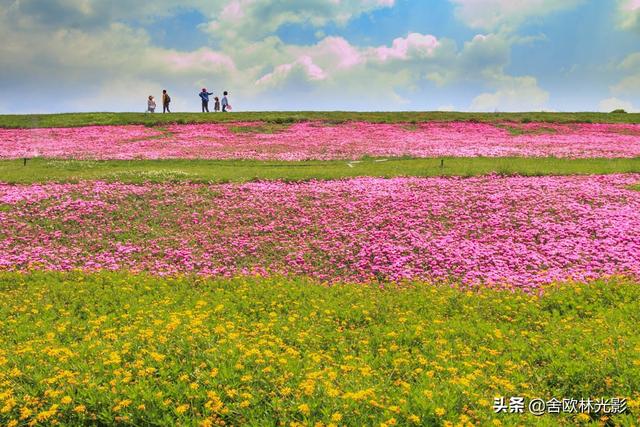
166 100
204 95
225 102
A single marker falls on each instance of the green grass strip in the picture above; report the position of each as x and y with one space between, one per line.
116 348
217 171
284 117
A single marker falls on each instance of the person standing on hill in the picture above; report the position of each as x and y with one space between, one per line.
216 104
166 100
225 102
204 95
151 104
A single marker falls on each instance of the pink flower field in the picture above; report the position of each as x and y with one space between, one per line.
322 141
522 232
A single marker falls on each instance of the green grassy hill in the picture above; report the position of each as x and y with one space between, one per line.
84 119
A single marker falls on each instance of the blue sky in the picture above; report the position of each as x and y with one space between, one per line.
470 55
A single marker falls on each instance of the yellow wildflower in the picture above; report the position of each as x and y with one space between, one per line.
582 417
25 413
414 419
304 408
182 408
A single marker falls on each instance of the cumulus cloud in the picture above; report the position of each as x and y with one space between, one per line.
508 14
202 60
629 14
92 57
610 104
376 71
513 94
415 45
629 85
383 72
255 19
65 68
338 52
302 70
95 14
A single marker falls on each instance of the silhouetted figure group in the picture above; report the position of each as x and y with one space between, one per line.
204 97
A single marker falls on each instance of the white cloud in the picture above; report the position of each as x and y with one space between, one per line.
629 14
111 68
629 85
610 104
114 66
255 19
303 70
202 60
415 45
508 14
513 94
95 14
381 73
631 62
338 52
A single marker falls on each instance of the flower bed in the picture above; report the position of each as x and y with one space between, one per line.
322 141
516 231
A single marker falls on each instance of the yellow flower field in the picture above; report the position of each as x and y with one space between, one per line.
141 350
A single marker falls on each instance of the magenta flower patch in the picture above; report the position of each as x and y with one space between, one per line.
315 140
518 231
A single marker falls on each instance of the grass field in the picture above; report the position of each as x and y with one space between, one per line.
217 171
122 348
140 350
84 119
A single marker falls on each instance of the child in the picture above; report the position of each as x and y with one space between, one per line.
151 104
225 102
216 104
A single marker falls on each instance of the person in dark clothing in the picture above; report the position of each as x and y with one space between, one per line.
204 95
166 100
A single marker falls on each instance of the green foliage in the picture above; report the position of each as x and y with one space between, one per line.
619 111
289 117
109 348
516 130
267 127
218 171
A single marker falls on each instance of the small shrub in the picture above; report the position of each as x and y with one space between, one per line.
619 111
